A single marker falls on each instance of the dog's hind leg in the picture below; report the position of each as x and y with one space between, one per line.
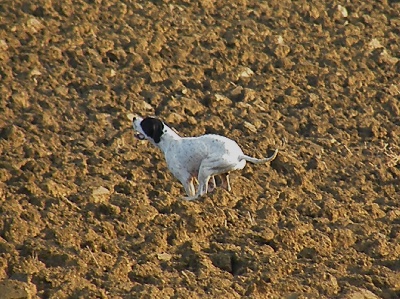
225 181
211 184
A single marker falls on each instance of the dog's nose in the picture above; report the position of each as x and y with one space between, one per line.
131 117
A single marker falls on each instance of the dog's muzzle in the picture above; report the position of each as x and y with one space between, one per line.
140 136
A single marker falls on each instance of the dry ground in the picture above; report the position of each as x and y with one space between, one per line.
87 211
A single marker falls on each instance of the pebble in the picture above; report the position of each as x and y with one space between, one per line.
343 11
245 72
374 44
100 195
250 127
222 99
35 72
100 191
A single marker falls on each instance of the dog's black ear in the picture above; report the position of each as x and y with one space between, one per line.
153 128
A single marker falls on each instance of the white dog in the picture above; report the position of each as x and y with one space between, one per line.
191 158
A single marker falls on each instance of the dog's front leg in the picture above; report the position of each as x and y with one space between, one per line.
189 187
185 178
205 173
190 190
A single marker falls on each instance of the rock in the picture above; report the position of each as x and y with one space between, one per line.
237 91
250 127
164 256
374 44
35 72
13 289
361 294
221 98
142 106
267 234
3 45
100 194
100 191
394 89
191 106
248 95
174 118
343 11
34 25
245 72
279 47
388 58
111 73
217 100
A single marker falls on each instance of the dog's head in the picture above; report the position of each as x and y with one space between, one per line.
149 128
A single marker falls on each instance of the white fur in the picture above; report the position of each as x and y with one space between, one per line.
201 158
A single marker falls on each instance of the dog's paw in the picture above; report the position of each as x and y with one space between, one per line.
189 198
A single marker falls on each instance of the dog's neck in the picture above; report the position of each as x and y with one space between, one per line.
168 138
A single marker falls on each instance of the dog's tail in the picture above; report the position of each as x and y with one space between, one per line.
259 161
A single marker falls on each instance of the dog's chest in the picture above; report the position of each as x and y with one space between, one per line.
187 155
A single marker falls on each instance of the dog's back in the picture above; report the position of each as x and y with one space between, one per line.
214 144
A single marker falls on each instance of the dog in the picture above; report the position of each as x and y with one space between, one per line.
195 158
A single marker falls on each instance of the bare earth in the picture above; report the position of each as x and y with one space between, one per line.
87 211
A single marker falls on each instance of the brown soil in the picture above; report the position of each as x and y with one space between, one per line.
87 211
